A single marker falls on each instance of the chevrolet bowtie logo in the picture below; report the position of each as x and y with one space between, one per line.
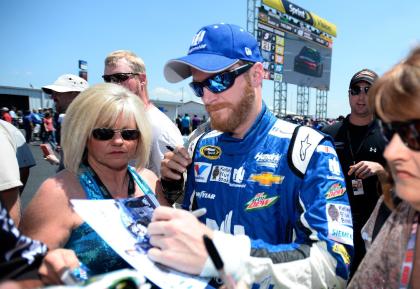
266 179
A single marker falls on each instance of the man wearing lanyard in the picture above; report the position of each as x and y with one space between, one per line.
360 146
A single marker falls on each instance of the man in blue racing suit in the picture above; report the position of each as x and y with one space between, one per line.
277 208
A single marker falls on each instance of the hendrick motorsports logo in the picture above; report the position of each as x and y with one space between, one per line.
260 201
268 160
266 179
211 152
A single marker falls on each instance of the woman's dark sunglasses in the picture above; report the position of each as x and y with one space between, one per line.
408 132
356 90
108 133
219 82
118 77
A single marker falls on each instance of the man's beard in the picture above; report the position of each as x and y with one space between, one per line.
237 114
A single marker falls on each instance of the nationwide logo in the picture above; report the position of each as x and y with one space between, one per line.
334 191
238 175
268 160
198 38
201 172
266 179
341 250
211 152
260 201
334 166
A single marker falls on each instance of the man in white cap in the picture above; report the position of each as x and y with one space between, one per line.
63 91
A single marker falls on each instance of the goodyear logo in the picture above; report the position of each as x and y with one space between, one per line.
341 250
211 152
266 179
260 201
335 191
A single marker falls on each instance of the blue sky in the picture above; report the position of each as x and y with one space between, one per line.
43 39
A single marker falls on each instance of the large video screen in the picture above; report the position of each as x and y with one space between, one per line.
293 51
305 63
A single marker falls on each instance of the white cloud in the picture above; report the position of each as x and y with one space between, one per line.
162 93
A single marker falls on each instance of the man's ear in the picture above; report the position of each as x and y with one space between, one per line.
257 74
143 78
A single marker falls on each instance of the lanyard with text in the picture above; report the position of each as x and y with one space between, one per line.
407 265
356 183
143 186
100 185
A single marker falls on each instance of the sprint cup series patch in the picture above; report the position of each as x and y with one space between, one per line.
211 152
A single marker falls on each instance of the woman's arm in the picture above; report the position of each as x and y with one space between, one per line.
49 216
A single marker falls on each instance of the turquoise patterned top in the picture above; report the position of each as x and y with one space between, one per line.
89 247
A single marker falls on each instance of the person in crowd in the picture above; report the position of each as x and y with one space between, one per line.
23 153
178 122
127 69
393 261
186 124
28 126
63 91
49 128
5 115
14 115
360 147
20 257
195 122
105 127
275 195
36 120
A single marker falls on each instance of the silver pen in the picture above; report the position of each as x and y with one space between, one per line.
199 212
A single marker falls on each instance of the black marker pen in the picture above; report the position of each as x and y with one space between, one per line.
218 263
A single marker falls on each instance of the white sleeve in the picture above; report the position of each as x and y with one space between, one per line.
317 271
9 170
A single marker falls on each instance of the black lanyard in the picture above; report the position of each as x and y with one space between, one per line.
352 154
104 190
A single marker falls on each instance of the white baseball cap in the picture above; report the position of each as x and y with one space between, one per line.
66 83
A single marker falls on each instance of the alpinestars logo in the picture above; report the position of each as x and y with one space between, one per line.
304 145
260 201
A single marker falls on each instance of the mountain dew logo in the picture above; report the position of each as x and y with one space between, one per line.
260 201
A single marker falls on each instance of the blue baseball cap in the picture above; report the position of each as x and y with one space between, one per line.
214 48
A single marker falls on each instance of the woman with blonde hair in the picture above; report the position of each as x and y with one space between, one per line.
104 129
393 260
